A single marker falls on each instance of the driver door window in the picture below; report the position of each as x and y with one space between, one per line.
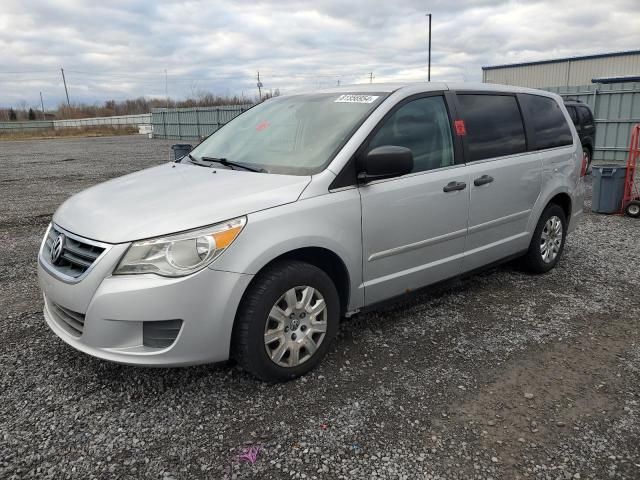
423 127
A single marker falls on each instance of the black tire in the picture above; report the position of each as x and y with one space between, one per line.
586 152
633 209
248 347
533 260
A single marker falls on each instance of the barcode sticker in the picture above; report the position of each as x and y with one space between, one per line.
356 98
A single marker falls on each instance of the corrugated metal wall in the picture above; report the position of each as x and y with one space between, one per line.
616 108
192 123
532 76
567 72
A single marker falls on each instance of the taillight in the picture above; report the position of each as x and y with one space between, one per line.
585 164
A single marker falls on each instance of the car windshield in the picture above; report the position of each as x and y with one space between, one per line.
294 135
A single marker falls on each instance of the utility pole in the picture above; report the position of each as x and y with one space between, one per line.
42 105
429 67
370 77
65 87
166 88
259 86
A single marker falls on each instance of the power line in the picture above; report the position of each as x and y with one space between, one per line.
25 72
154 77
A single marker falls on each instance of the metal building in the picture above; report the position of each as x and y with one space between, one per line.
564 72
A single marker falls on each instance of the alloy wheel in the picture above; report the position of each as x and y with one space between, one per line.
296 326
551 239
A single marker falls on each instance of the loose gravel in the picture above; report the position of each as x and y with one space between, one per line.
498 375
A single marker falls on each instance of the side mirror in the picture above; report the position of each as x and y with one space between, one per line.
385 162
180 150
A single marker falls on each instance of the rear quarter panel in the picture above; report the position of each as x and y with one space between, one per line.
561 168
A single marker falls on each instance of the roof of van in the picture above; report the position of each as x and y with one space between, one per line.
431 86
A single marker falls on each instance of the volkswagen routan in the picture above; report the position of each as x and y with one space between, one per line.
306 209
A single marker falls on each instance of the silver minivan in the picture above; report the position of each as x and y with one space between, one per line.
303 210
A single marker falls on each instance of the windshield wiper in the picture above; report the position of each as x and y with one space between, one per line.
230 164
193 161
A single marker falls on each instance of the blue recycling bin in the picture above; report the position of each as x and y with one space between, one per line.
608 188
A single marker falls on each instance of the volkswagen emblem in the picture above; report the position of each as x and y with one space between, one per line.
57 248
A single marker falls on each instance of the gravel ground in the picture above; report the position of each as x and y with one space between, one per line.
499 375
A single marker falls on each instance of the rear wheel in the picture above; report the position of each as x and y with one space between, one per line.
286 322
548 240
633 209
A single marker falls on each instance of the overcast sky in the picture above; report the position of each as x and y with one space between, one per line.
121 48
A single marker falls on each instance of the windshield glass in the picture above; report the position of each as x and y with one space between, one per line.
295 135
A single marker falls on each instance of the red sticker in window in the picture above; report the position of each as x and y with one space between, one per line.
262 126
461 130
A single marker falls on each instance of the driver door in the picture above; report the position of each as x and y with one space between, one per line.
414 227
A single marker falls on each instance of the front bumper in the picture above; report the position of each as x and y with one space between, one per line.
115 308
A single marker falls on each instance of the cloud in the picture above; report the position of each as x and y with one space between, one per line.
121 48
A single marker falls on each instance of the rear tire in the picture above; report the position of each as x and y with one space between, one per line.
286 322
547 243
633 209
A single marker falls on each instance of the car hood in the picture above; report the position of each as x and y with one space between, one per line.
172 198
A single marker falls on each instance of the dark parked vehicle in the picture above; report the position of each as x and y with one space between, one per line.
585 126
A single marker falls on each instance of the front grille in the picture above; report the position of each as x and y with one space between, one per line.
72 322
76 257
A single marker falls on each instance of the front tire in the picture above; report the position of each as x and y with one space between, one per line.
286 322
548 240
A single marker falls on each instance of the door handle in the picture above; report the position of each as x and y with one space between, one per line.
453 186
483 180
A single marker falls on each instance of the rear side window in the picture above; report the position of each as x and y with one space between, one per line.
493 125
549 124
586 118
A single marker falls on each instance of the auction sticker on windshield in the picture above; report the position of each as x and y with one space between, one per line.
356 99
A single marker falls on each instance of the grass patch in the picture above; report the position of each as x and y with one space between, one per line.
93 131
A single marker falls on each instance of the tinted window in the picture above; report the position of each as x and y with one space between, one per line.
548 122
423 127
573 115
586 118
494 125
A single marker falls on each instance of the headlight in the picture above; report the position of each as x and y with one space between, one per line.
181 254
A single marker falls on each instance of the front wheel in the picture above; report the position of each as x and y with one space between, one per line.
286 322
548 240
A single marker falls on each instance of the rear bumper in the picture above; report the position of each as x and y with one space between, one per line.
205 302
